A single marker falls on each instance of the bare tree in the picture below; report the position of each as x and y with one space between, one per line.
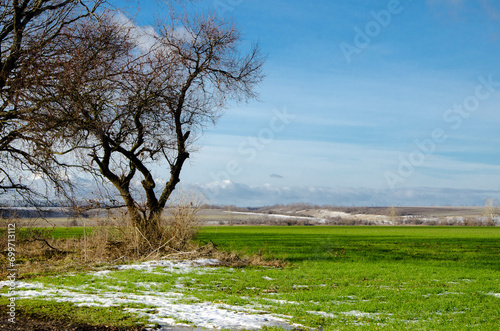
125 100
29 30
491 209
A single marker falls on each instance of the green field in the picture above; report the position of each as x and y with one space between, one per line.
420 278
337 278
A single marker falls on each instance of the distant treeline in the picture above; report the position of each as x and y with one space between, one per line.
297 207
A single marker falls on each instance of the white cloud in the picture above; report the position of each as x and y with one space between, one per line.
333 164
227 193
145 36
182 33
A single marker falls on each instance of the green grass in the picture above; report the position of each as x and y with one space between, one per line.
416 277
339 278
64 311
69 232
461 246
55 232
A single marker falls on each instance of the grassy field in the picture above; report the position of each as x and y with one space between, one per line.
416 277
337 278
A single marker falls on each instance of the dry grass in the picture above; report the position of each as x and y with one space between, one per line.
115 240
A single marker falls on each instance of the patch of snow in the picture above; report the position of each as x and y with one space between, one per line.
20 285
114 287
178 267
281 302
207 315
101 273
280 216
329 213
357 313
322 313
415 321
351 297
267 278
166 307
103 299
147 286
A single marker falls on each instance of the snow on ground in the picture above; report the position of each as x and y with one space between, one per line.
329 214
18 284
354 313
211 316
166 306
322 313
280 216
168 310
179 267
281 302
321 216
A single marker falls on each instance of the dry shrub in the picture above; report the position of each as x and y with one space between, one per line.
37 252
116 240
182 224
119 239
104 243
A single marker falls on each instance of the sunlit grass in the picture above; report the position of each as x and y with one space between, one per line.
368 277
337 278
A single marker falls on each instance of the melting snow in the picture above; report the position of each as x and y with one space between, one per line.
19 284
170 266
101 273
208 315
165 305
354 313
281 302
322 313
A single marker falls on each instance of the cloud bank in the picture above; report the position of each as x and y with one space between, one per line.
230 193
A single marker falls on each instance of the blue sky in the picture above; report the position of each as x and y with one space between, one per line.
364 103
